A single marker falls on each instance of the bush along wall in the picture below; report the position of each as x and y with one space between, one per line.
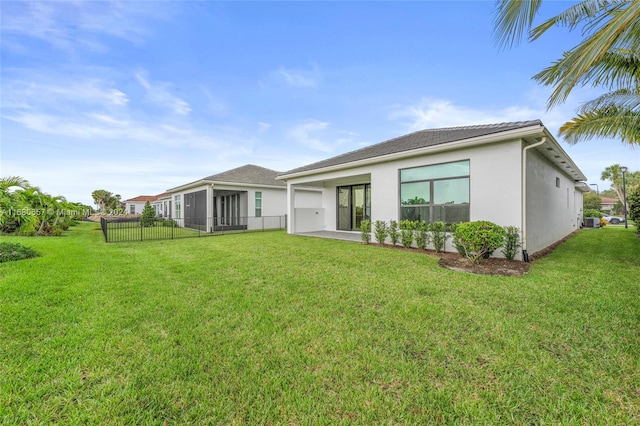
476 240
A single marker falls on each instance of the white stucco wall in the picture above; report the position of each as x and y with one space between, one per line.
138 205
494 184
308 198
273 199
552 211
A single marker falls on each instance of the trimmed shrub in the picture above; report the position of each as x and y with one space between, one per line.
365 231
592 213
148 215
406 232
478 240
380 231
169 223
439 236
511 242
394 232
14 251
421 234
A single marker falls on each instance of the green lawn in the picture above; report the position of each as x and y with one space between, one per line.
269 328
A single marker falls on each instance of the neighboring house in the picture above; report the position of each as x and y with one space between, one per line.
509 173
608 204
248 197
162 205
136 205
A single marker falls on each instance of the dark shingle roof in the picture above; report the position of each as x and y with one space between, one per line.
249 174
416 140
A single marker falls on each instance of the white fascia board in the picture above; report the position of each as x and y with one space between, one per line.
449 146
187 186
245 185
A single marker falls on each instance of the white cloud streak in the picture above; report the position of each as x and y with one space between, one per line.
435 113
76 26
297 78
159 94
318 135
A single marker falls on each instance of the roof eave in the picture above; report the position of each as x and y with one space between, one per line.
202 182
465 143
253 185
564 162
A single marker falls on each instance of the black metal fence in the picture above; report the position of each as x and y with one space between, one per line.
136 229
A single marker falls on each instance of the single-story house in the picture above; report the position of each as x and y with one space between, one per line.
135 205
508 173
247 197
608 204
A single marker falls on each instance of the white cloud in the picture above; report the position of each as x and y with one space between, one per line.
298 78
159 94
38 93
77 26
318 135
434 113
263 127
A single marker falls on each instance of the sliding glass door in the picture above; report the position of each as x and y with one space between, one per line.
354 205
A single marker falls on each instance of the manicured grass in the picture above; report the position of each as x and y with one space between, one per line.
268 328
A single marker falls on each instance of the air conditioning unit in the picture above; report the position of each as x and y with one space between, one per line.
592 222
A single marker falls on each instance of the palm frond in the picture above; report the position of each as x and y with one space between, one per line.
576 14
623 99
618 68
13 181
513 19
619 33
603 123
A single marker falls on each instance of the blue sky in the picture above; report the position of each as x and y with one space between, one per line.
139 97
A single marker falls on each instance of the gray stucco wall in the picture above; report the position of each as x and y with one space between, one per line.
552 211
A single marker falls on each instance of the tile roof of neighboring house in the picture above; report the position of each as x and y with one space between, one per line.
142 199
417 140
606 200
249 174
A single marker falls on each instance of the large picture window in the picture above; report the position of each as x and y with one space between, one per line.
439 192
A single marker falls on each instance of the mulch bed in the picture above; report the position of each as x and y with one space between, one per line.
490 266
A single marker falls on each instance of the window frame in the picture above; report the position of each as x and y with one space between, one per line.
177 201
258 197
431 206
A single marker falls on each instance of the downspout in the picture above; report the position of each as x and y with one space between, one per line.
525 255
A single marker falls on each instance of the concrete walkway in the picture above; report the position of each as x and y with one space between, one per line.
334 235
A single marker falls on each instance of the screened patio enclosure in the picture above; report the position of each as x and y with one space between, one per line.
228 210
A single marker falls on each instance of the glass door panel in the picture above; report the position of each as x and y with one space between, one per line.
344 209
357 206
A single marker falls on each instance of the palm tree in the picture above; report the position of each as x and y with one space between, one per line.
614 175
102 199
15 209
6 183
608 56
